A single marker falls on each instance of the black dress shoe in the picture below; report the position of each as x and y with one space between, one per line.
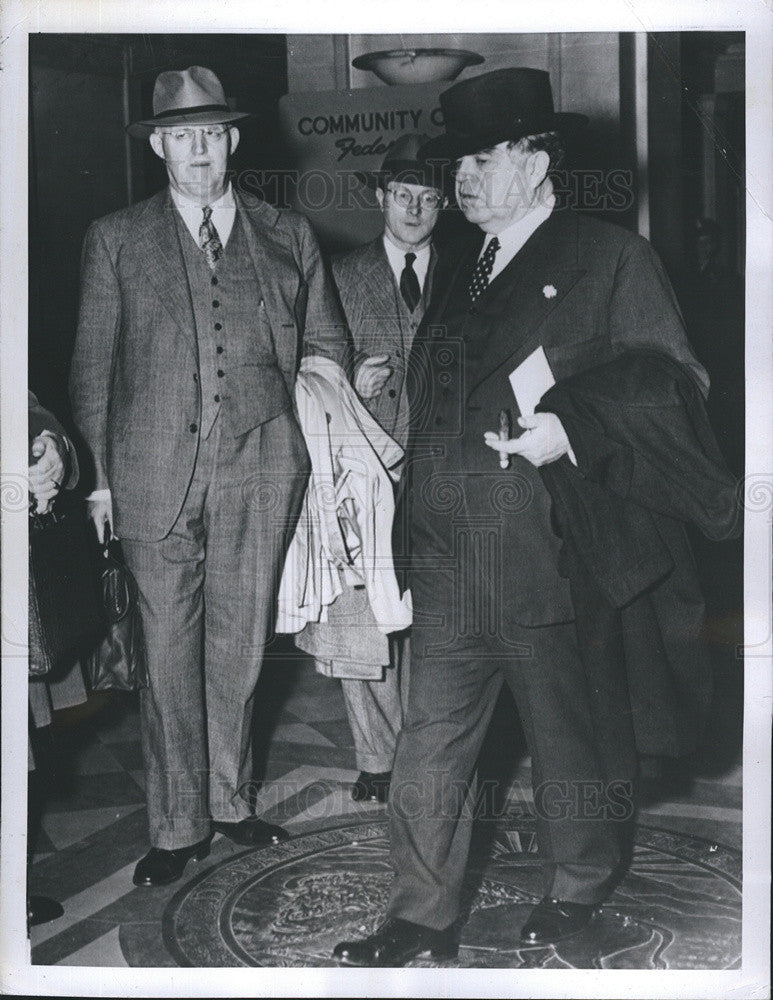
162 867
371 786
553 920
42 910
396 942
252 832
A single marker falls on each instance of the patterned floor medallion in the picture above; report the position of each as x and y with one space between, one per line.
288 905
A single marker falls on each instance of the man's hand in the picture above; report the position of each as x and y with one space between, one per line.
545 440
372 376
100 513
47 474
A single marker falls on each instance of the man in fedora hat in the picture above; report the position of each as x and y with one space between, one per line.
562 293
384 289
195 307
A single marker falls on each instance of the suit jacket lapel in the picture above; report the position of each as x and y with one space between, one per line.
379 281
157 244
268 245
453 263
531 286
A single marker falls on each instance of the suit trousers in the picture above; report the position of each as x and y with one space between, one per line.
453 690
375 710
207 596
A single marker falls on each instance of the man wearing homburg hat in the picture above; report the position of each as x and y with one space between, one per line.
492 601
195 308
384 287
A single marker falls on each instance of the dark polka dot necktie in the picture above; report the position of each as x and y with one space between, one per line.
482 270
209 240
409 283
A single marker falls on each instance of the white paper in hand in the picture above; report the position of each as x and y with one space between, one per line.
531 380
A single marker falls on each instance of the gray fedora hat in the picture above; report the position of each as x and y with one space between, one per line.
192 96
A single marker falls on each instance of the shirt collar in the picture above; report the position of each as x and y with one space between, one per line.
226 200
513 237
395 252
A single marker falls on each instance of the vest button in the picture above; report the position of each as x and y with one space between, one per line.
392 393
219 346
217 399
215 303
220 373
214 280
195 377
218 326
193 428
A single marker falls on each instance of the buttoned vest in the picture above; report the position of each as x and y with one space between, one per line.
238 369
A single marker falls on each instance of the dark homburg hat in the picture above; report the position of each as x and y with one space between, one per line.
403 163
504 105
192 96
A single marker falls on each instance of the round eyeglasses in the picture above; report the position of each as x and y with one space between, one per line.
212 133
428 200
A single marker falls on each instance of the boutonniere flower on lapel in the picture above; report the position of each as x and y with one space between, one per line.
549 291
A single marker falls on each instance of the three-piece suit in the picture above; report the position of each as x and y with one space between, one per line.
490 602
182 382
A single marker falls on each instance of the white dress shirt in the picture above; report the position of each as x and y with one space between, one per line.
396 258
516 234
223 214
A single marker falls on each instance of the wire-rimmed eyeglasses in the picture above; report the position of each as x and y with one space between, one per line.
428 200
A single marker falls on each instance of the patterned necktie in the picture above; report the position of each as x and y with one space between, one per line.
409 283
482 270
209 241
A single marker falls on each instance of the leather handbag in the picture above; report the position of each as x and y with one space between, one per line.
65 614
119 662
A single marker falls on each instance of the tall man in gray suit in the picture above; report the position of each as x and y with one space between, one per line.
195 308
490 580
384 288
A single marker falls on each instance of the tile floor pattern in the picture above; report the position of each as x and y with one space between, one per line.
93 829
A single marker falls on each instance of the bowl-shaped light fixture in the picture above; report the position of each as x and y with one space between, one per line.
399 66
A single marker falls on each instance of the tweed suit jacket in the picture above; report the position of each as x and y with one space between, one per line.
584 290
380 323
134 378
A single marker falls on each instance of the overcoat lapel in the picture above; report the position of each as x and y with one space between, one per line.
531 286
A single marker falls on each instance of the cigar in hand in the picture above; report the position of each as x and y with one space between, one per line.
504 435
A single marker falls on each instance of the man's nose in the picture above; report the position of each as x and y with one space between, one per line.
199 142
415 207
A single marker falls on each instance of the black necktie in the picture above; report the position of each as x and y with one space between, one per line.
209 240
409 283
482 270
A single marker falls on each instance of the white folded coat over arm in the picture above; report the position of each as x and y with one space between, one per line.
347 514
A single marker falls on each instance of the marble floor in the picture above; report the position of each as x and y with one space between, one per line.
93 826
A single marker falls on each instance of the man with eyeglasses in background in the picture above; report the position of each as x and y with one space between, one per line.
195 307
384 287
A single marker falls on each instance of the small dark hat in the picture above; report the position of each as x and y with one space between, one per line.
504 105
192 96
403 163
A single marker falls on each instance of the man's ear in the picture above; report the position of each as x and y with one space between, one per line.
157 145
233 133
380 197
537 167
